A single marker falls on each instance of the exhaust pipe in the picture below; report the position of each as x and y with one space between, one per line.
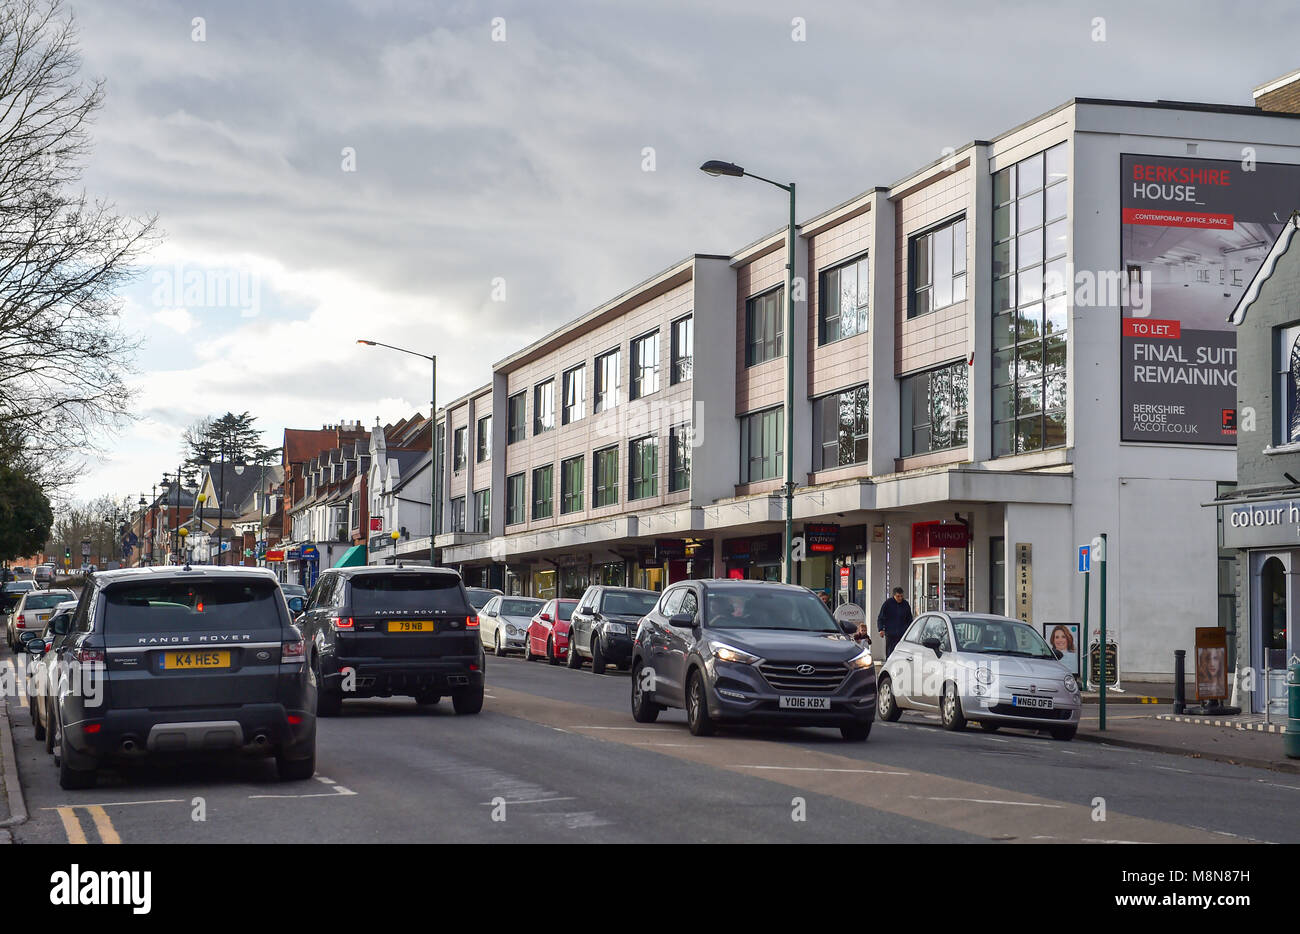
128 745
260 739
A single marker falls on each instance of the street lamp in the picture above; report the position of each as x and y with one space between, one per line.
716 167
433 443
181 534
144 511
203 498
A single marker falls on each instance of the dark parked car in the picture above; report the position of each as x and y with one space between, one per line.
479 597
178 660
603 625
733 651
381 631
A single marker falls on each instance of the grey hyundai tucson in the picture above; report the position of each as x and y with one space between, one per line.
734 651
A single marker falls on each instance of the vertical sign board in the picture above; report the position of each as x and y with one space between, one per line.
1024 588
1211 663
1193 233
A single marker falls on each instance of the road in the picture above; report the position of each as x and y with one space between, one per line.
556 757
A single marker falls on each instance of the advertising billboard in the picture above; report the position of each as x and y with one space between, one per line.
1193 233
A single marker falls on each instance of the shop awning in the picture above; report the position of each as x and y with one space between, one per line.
354 557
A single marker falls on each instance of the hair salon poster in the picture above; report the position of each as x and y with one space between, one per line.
1193 233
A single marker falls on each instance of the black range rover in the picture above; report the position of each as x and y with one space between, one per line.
384 631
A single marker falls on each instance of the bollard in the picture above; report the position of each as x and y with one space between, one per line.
1291 739
1180 682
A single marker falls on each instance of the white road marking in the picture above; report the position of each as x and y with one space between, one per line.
803 768
1019 804
1134 842
642 729
118 804
1276 785
338 792
1170 768
507 802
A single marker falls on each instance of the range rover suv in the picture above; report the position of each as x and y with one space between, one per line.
603 624
384 631
169 660
735 651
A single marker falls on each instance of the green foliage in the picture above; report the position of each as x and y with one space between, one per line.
25 516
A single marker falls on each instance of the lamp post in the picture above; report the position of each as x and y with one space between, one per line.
201 499
716 168
181 535
433 443
144 514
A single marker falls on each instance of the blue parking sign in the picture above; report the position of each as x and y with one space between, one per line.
1085 559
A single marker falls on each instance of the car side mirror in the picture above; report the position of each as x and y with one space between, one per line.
546 617
848 628
933 644
682 621
295 605
35 647
1058 653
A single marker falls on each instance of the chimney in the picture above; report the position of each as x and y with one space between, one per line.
1281 95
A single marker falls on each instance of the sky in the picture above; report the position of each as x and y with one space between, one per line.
461 178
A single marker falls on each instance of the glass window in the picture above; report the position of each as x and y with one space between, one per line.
483 511
934 407
840 429
843 301
542 502
516 499
679 458
938 268
171 606
608 367
764 327
642 468
516 418
543 406
1287 407
762 444
458 448
605 477
575 394
458 514
571 476
483 441
645 366
683 350
371 592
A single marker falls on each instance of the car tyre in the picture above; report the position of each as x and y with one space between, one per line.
886 704
49 730
38 728
296 770
574 659
329 701
950 709
468 701
528 648
1064 733
496 645
597 656
71 779
644 710
550 652
857 733
988 727
697 707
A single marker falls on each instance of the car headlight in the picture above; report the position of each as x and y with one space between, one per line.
729 653
984 675
1072 684
511 631
620 628
861 660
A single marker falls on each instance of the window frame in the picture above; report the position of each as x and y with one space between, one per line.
457 514
776 415
517 431
459 442
574 384
862 311
820 444
517 500
910 426
679 468
571 500
639 484
544 416
681 366
483 440
603 397
928 236
483 510
641 373
548 470
598 472
773 345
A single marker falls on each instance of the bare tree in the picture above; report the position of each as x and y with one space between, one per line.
64 358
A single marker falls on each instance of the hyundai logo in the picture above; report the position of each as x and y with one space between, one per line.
805 669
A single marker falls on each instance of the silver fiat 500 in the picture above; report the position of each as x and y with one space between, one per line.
990 669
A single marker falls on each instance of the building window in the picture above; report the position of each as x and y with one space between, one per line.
1287 401
763 327
843 301
840 429
542 486
1030 303
608 367
483 440
937 266
483 511
458 448
679 458
516 499
761 445
458 514
604 479
642 468
575 394
543 406
683 350
571 476
933 406
645 366
517 418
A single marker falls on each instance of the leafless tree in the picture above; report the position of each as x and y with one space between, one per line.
64 357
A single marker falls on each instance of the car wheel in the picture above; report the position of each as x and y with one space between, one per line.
886 706
644 710
857 733
988 727
496 645
697 707
49 731
950 709
1064 733
550 652
329 701
427 698
469 700
528 648
296 770
38 728
575 657
71 779
597 656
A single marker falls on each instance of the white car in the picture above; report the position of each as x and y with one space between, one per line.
503 622
31 612
991 669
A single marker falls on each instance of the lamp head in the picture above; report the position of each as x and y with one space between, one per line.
718 167
394 535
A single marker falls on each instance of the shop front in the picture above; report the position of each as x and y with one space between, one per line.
939 566
757 557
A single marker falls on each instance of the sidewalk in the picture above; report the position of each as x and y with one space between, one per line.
1135 692
8 773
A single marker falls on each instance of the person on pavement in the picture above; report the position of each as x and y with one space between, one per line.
894 618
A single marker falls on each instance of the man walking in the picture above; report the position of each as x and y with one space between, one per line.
894 618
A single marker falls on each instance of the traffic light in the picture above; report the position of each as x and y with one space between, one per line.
67 552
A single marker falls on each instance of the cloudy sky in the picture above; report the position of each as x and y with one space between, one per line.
374 168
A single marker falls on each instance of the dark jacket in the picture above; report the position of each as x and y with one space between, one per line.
895 616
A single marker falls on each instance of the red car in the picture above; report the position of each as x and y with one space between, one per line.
548 632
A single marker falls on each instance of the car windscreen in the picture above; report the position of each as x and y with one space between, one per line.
761 607
178 606
479 598
566 611
19 587
374 592
627 602
45 601
998 637
520 607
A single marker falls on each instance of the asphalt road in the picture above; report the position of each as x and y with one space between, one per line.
556 757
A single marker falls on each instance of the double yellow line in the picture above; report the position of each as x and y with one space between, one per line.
72 823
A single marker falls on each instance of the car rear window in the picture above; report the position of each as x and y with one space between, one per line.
45 601
628 603
372 592
19 587
189 605
520 607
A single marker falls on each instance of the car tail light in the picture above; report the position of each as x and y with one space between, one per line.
88 656
471 622
91 728
294 719
291 653
342 623
473 667
20 623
